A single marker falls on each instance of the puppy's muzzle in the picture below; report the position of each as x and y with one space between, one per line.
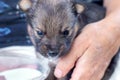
53 51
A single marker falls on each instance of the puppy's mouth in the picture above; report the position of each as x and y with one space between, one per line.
52 59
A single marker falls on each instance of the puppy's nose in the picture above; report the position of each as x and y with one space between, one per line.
52 53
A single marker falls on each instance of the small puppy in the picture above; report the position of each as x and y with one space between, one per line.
54 24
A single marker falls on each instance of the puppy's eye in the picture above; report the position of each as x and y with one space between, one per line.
65 33
40 33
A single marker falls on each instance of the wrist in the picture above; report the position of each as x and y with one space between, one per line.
111 6
113 18
112 28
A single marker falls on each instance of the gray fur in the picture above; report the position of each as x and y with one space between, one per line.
53 17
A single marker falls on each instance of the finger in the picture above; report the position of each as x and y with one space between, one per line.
86 65
93 63
67 62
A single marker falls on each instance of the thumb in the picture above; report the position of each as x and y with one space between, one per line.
67 62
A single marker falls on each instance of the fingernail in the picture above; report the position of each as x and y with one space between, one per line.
58 73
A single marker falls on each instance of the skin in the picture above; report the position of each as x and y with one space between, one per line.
94 48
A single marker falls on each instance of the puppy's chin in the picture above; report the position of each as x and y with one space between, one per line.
47 59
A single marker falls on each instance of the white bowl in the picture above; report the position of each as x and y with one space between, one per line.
14 66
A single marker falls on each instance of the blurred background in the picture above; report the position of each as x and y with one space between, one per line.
13 26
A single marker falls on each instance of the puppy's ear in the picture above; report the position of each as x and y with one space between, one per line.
25 4
79 8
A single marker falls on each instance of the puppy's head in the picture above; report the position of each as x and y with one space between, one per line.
53 25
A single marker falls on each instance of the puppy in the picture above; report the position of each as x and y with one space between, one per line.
54 24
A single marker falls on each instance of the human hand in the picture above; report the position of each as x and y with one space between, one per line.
91 52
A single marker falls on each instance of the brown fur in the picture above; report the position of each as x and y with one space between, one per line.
56 18
52 20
